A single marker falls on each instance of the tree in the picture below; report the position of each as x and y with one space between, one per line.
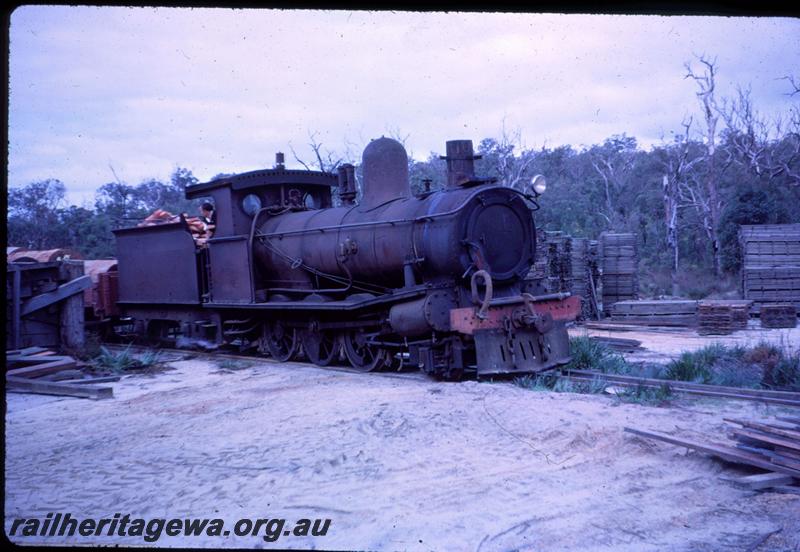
32 214
87 232
706 189
678 161
324 159
118 202
499 159
429 175
614 162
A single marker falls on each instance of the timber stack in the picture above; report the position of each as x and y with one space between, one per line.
720 317
564 263
778 315
771 263
618 253
539 269
772 445
655 313
42 371
585 274
559 261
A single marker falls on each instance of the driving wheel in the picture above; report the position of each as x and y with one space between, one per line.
279 340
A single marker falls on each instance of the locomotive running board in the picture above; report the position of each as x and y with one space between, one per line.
346 305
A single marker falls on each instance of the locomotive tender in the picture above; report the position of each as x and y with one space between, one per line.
435 280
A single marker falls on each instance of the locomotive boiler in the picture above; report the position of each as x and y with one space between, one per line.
434 280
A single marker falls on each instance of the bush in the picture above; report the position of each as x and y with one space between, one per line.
537 382
588 354
123 361
647 395
763 365
786 374
698 366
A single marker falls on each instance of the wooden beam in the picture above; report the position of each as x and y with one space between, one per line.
64 290
762 480
719 450
24 385
101 379
72 313
766 438
26 352
781 432
43 368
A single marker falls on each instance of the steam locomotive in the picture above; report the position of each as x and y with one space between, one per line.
435 280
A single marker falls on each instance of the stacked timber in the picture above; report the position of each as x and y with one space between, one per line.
559 261
771 263
539 269
778 315
618 254
771 445
552 268
777 441
655 313
39 370
564 263
722 317
585 273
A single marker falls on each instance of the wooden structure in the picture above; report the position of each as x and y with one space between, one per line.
778 315
44 304
771 263
772 445
586 275
655 313
619 261
564 263
722 317
30 370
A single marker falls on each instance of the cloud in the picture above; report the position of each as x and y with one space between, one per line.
220 90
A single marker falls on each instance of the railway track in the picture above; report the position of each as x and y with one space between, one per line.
785 398
255 357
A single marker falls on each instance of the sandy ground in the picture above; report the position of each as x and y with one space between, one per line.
396 461
666 344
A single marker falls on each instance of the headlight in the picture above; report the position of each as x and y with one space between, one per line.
539 184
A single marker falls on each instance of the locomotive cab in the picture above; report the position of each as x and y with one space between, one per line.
240 200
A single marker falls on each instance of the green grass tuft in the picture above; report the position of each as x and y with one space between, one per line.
123 361
588 354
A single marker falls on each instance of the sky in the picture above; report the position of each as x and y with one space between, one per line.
146 90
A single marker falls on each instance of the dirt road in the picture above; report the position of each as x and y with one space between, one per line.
396 462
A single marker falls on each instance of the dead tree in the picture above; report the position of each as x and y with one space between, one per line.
678 165
707 192
767 149
512 170
324 160
614 162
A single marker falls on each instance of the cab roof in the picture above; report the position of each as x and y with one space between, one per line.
263 177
